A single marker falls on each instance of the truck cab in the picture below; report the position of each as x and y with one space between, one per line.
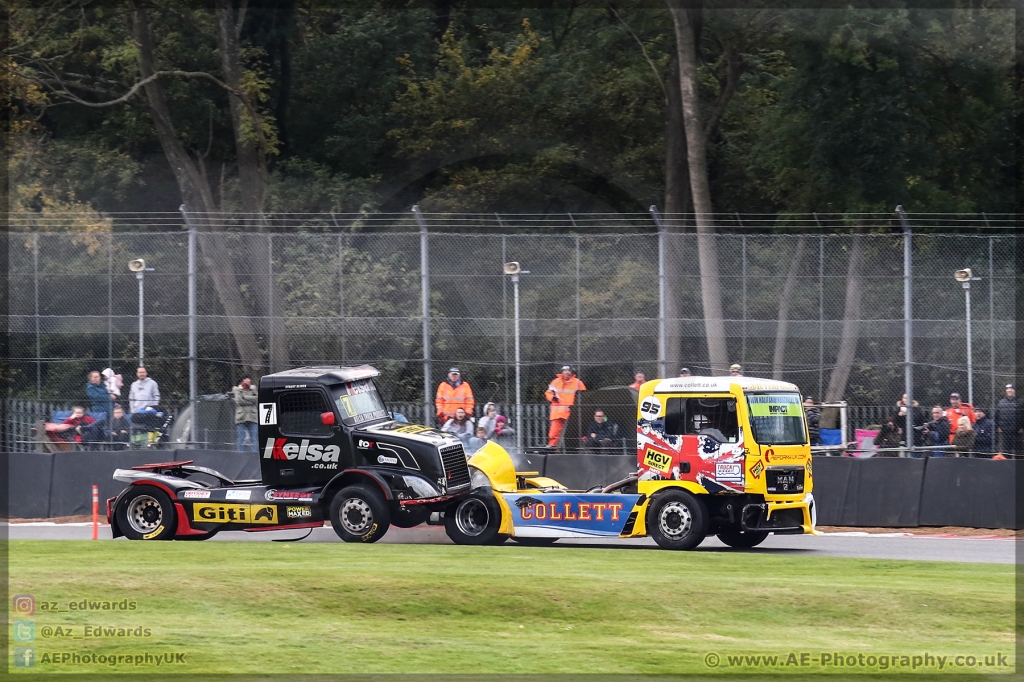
329 450
739 444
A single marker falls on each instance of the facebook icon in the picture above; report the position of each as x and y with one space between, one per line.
24 657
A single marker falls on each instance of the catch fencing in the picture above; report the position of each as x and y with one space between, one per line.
415 294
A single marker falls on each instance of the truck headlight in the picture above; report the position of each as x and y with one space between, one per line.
478 478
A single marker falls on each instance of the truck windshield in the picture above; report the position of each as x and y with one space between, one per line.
358 402
777 418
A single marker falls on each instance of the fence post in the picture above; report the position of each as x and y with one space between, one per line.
743 349
341 291
991 325
35 279
821 312
662 295
908 323
578 352
192 355
425 302
110 299
270 302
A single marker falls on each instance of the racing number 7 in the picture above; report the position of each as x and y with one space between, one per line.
268 413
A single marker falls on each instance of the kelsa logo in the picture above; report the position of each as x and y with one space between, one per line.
234 513
279 448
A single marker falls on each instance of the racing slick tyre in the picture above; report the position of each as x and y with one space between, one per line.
740 539
535 542
677 520
409 517
360 514
146 513
474 520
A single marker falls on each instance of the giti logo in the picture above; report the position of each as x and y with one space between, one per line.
279 448
234 513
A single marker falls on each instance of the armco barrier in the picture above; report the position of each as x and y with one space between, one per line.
889 492
979 493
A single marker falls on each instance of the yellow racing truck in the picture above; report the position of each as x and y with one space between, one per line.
728 456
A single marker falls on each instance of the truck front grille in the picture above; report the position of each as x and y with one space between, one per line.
453 461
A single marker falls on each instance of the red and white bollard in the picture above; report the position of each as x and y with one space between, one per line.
95 512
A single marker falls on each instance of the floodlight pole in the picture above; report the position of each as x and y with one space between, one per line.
970 354
519 392
142 289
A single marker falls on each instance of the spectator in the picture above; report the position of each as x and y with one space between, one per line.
638 380
453 393
494 424
82 423
120 429
245 415
602 433
957 408
919 418
936 431
561 394
1009 422
963 438
735 370
813 420
461 425
890 435
143 393
685 372
477 441
985 432
99 398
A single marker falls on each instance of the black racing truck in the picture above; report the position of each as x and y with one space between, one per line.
329 449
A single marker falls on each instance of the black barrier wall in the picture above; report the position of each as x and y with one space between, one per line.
874 492
45 485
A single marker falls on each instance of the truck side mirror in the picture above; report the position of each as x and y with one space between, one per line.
327 418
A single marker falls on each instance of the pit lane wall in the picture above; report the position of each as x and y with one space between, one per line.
875 492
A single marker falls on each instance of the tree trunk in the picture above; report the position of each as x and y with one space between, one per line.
252 181
196 194
677 201
851 323
696 156
782 326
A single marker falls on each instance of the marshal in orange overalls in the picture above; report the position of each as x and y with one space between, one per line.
561 394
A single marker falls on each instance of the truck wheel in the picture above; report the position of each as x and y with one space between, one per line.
474 520
146 513
750 538
409 517
360 514
677 520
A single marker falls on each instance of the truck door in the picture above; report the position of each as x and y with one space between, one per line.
303 450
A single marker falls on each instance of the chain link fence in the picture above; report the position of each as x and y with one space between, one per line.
287 290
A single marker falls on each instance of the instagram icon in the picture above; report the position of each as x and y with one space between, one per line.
24 604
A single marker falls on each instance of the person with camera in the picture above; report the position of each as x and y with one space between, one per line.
936 431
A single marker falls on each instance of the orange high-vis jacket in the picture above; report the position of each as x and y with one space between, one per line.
952 414
449 398
566 392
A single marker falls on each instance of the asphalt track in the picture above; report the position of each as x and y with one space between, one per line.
856 545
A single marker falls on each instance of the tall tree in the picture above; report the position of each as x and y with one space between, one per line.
851 322
700 189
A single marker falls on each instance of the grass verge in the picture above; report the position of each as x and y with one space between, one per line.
335 608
